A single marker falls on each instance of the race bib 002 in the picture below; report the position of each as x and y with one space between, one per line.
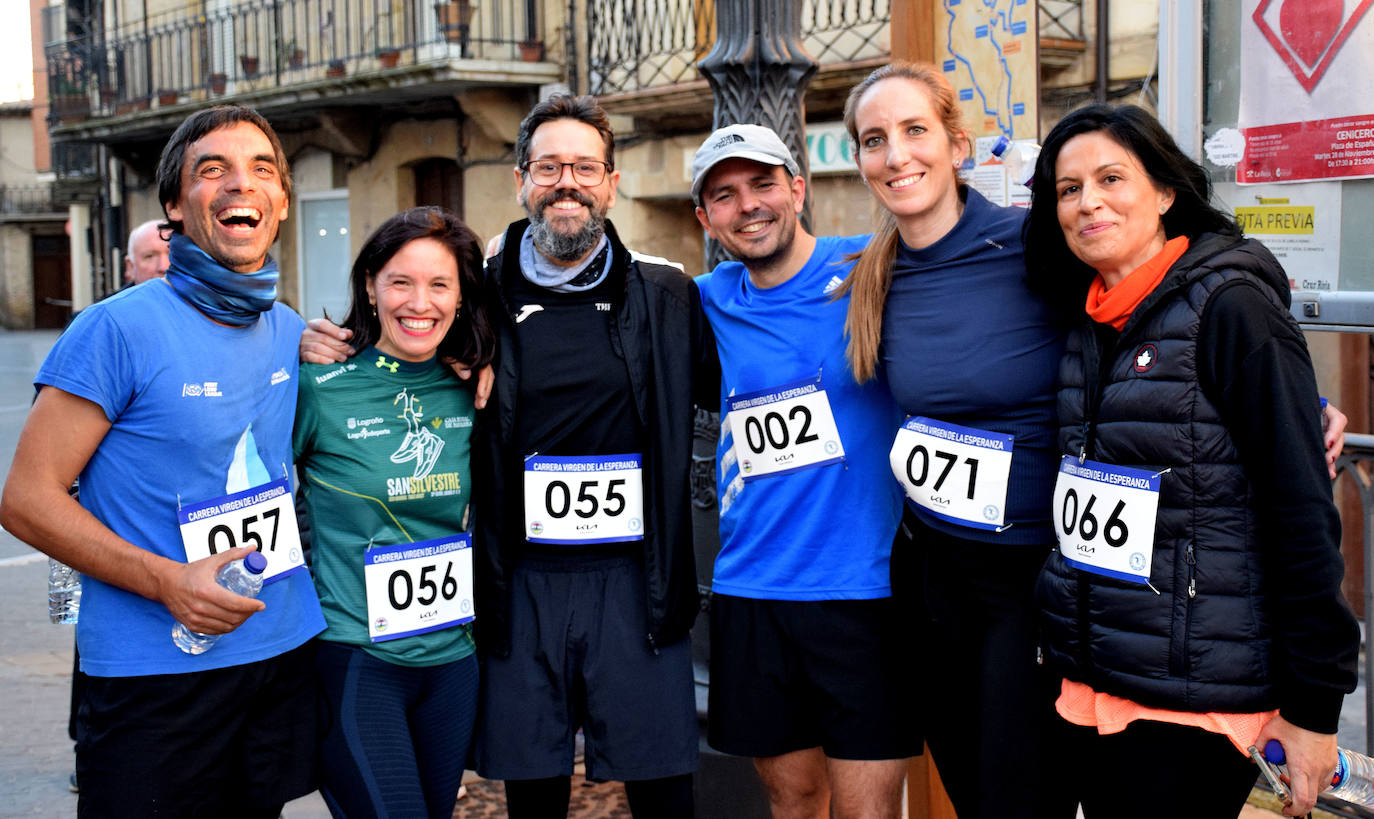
413 588
263 517
577 500
783 429
1105 518
956 473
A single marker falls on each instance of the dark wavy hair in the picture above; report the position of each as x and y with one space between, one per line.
469 339
1057 274
564 106
194 127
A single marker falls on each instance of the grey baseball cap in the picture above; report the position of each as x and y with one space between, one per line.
742 141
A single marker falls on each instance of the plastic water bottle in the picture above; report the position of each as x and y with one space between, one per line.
1019 157
240 577
64 592
1353 781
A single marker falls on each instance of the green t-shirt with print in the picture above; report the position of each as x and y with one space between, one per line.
382 451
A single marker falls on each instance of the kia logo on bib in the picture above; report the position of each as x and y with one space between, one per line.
1145 358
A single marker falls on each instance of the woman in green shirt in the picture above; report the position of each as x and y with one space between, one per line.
381 445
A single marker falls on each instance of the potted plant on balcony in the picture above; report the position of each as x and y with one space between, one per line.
167 96
218 82
249 63
295 55
336 69
531 51
388 56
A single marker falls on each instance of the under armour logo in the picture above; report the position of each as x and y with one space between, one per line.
526 311
391 365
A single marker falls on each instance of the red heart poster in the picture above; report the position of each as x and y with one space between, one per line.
1304 108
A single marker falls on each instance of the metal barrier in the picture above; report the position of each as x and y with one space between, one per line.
1354 461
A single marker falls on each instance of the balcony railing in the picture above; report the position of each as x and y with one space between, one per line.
635 45
263 43
26 200
1061 19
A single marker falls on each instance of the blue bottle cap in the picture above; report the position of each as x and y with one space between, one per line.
1273 751
255 563
1001 145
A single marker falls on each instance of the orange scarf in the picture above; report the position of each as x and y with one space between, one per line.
1115 306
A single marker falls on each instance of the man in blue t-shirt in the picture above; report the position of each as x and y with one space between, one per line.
805 640
172 401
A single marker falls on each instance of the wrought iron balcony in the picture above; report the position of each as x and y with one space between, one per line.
635 45
261 44
20 201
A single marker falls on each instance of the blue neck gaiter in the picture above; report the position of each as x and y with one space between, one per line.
236 299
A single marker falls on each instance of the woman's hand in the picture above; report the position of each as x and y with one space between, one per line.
325 342
1333 435
1311 762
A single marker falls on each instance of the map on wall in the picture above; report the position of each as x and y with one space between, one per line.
989 53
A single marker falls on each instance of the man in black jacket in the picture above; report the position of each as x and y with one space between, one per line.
585 577
586 581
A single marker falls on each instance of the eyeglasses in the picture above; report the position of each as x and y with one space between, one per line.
547 172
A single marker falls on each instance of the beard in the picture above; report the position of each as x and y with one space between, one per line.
560 244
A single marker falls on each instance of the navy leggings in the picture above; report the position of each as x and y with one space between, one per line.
397 737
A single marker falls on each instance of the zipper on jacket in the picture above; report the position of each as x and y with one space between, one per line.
653 645
1178 659
1191 558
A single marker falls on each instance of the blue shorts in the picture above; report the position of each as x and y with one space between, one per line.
580 658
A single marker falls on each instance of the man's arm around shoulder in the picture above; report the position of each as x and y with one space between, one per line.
60 436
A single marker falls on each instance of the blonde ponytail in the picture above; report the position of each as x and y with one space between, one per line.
867 285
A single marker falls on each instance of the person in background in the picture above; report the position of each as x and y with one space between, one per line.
1204 614
147 255
382 445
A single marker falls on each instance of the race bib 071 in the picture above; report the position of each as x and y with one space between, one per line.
956 473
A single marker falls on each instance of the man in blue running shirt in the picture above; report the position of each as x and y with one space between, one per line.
806 672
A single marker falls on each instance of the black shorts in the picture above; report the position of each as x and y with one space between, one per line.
580 658
230 742
789 675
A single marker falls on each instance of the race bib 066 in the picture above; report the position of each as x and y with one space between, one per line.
1105 518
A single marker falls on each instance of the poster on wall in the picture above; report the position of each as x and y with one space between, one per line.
989 53
988 175
1305 108
1301 226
